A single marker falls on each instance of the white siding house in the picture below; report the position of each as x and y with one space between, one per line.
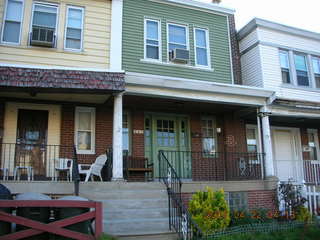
286 60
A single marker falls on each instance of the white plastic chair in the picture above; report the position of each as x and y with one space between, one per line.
63 165
93 169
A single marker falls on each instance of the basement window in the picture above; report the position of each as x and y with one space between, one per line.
238 201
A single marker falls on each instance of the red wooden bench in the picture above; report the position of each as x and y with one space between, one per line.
56 227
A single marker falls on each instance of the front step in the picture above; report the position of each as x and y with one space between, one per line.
132 209
165 236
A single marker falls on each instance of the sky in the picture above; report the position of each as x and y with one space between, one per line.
300 14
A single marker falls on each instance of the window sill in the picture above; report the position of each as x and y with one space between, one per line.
176 65
59 50
85 152
291 86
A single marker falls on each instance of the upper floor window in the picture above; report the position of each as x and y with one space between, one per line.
177 37
300 62
152 39
201 47
11 31
316 70
44 25
85 130
74 28
285 69
209 139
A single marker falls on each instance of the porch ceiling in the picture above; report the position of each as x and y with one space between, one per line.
58 97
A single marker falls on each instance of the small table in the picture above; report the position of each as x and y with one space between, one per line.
17 172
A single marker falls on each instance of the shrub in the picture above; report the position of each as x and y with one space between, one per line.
210 210
253 216
302 214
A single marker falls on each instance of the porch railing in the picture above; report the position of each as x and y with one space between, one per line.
312 171
179 218
218 166
40 162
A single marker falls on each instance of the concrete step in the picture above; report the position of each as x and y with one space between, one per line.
113 186
134 204
164 236
126 194
118 214
136 226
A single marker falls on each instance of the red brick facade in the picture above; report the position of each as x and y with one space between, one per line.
2 110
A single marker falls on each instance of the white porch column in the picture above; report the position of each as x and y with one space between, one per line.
267 142
117 169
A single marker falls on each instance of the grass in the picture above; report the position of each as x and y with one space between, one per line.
310 233
107 237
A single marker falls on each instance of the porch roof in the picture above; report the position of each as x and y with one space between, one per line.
60 79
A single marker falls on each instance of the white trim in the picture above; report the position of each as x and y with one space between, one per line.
4 21
66 27
116 35
195 85
92 111
57 20
60 68
186 26
199 5
283 51
230 51
207 47
159 40
305 56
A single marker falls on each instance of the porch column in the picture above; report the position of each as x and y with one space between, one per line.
117 167
267 142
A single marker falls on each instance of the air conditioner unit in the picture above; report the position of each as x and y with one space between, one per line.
43 37
179 55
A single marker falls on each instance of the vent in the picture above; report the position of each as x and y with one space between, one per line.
43 37
179 55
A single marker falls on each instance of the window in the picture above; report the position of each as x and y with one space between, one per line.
74 28
166 133
238 201
201 47
252 145
301 70
316 70
12 22
85 130
209 142
177 37
125 132
313 144
44 21
152 39
285 69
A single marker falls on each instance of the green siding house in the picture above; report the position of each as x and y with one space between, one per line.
153 29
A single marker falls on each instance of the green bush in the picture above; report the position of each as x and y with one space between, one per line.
107 237
302 214
210 210
252 216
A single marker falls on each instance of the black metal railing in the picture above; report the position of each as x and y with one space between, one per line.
217 166
179 218
20 161
75 172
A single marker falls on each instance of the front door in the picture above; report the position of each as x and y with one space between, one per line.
286 156
32 139
170 134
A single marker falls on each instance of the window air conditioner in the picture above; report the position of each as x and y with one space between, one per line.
43 37
179 55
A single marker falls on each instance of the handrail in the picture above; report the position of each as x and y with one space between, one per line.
75 172
179 217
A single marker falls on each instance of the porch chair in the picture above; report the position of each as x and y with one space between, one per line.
93 169
63 165
5 173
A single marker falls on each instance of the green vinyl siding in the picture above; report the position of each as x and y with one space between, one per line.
134 14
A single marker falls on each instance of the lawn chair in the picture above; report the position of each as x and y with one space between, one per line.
93 169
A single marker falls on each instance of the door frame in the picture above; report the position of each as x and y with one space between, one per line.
296 135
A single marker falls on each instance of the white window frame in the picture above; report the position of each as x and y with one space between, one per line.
258 143
207 44
4 20
159 40
289 65
186 26
313 71
57 19
307 67
129 130
93 125
66 26
215 135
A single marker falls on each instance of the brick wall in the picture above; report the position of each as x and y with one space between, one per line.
235 53
263 199
2 109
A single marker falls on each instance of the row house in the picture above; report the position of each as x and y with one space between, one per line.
286 60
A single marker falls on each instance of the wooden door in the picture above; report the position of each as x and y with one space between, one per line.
31 144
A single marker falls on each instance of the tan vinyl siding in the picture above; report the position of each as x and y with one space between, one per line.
96 38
